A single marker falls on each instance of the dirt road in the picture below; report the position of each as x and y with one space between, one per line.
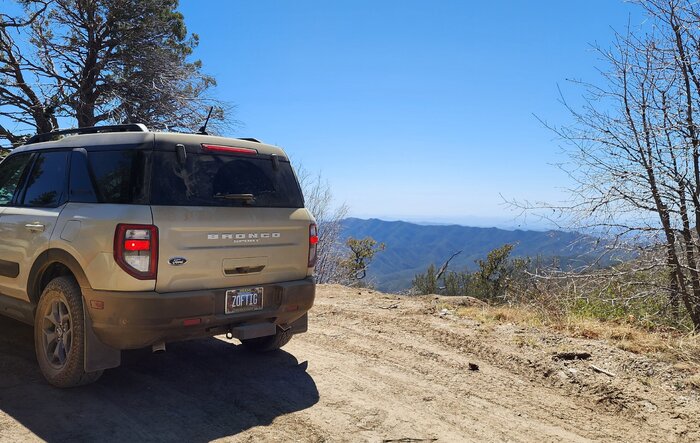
373 367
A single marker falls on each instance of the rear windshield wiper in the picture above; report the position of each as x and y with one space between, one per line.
246 197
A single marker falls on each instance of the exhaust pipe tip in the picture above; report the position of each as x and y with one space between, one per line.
158 348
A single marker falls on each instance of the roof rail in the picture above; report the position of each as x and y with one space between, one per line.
130 127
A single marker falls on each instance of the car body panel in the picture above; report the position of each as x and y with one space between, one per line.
22 244
229 247
86 231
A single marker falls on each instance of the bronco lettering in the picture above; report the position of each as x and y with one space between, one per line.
243 236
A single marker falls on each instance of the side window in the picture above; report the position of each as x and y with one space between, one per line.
11 170
47 180
119 175
81 189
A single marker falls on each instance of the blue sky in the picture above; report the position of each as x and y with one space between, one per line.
417 110
414 110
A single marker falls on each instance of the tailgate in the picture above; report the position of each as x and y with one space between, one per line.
224 247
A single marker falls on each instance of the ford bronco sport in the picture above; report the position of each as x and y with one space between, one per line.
116 237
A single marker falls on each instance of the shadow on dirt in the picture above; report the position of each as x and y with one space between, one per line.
196 391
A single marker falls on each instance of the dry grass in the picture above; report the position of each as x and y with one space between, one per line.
670 346
500 314
667 346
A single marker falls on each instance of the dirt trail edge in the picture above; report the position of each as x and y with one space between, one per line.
373 367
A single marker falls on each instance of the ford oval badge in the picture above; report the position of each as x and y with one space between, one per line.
177 261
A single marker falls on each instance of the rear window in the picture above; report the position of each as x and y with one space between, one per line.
223 180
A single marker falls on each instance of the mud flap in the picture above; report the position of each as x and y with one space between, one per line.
301 324
98 356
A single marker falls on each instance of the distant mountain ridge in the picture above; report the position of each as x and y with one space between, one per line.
411 248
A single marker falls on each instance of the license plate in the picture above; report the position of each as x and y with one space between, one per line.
244 300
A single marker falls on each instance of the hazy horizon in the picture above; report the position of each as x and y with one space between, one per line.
507 224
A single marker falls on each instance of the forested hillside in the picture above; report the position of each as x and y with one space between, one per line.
411 248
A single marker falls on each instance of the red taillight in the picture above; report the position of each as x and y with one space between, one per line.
230 149
313 245
136 250
137 245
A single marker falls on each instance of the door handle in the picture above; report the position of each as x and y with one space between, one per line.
35 227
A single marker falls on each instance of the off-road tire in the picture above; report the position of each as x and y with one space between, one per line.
60 309
269 343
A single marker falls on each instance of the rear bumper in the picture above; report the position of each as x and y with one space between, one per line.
130 320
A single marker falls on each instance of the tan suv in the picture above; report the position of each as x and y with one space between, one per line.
116 238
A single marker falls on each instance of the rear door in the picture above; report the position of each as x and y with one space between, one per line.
29 219
226 220
12 170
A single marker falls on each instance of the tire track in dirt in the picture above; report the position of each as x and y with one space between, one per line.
486 397
434 353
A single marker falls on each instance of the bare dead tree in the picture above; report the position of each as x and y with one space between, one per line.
19 102
319 201
635 148
445 265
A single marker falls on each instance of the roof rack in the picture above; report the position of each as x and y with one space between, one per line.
131 127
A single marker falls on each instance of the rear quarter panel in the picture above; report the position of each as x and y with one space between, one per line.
86 231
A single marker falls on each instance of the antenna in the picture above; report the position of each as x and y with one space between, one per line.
203 129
